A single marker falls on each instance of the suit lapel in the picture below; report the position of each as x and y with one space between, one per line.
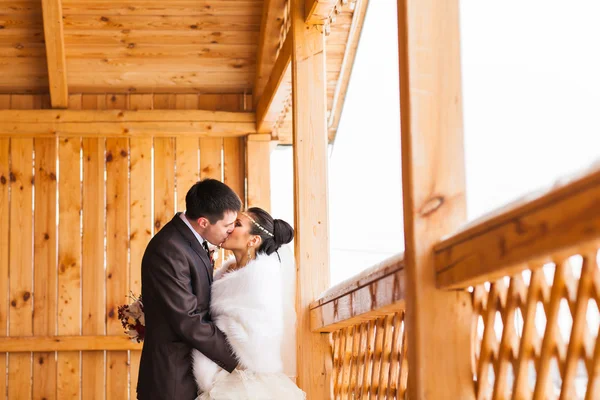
194 244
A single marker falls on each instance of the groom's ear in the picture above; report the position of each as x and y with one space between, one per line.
203 222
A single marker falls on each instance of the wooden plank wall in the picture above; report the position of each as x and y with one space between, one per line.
76 215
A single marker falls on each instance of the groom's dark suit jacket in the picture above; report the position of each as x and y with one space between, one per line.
176 280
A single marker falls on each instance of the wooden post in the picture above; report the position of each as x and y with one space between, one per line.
310 198
258 168
433 178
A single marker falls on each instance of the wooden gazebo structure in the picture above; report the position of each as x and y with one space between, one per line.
110 110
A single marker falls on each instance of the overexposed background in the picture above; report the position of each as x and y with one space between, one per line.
531 97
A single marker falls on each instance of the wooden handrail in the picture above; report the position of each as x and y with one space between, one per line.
377 291
502 243
66 343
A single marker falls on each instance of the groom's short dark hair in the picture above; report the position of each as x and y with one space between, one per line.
210 198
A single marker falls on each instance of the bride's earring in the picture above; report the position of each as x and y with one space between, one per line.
249 254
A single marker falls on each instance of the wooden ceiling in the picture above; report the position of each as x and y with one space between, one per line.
142 46
145 46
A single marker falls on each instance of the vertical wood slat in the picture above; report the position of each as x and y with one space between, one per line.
210 158
117 237
211 167
20 251
140 216
4 248
347 362
335 354
508 341
339 382
361 361
188 167
488 345
355 366
575 346
234 166
117 245
164 181
21 271
593 386
377 357
385 357
69 260
543 381
45 273
258 170
521 384
164 160
93 274
403 375
69 263
234 172
392 388
369 360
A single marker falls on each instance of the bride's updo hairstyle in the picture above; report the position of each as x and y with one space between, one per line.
274 232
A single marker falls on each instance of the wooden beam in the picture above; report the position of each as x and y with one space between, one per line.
341 87
258 170
39 116
272 18
501 244
55 53
309 103
378 291
433 181
118 123
319 11
27 344
278 89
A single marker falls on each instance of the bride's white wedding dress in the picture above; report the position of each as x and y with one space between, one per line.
254 307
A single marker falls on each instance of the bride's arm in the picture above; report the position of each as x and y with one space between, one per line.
205 371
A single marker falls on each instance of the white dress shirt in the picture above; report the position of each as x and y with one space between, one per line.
183 217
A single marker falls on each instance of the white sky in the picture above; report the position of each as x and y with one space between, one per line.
531 96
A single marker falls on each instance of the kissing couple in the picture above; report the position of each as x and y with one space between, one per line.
217 335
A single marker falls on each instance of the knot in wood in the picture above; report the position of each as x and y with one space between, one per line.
431 206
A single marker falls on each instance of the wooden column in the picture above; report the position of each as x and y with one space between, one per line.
310 198
433 178
258 159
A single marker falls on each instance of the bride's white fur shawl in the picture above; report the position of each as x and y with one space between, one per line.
246 304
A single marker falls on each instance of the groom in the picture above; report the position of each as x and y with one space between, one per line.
176 278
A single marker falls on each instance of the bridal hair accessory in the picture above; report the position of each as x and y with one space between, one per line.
132 318
259 226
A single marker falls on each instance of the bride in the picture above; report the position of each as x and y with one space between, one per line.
252 302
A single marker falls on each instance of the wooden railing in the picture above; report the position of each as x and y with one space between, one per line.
534 273
365 317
